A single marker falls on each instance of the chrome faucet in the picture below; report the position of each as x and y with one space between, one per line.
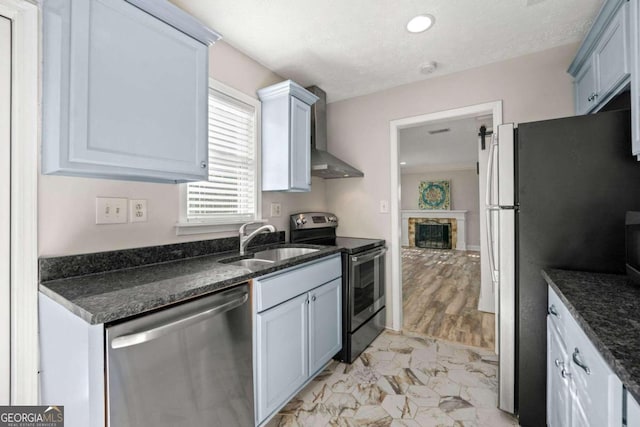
245 239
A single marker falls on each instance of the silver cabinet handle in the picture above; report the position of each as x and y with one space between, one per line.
558 363
577 360
203 165
553 310
313 298
159 331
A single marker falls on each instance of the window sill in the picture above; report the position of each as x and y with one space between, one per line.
191 228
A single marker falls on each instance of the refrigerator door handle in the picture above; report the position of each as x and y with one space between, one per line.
490 207
490 242
490 170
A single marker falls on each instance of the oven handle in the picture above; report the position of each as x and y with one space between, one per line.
357 260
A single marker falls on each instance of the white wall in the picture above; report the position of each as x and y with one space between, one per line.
66 211
532 87
465 195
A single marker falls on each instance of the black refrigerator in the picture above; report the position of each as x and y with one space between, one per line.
563 187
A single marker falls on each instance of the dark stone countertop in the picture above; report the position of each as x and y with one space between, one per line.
607 308
108 296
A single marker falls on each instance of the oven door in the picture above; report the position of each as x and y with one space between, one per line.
366 285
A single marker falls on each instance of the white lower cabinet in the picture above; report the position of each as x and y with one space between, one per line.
298 330
633 411
325 326
582 390
558 397
282 353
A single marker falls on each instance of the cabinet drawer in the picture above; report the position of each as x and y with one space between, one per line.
557 313
274 289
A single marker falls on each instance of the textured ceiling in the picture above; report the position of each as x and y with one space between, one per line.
456 149
355 47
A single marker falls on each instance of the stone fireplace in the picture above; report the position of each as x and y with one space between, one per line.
412 218
433 235
415 222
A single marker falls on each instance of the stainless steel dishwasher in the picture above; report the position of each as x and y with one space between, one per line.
188 365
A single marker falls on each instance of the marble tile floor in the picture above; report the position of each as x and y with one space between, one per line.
440 292
402 380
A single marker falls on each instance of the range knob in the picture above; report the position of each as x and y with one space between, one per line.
301 221
333 219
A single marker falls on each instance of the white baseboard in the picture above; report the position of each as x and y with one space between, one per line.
473 248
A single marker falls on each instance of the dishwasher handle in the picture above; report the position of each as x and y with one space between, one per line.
159 331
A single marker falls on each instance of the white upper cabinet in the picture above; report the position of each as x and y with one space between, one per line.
612 53
286 137
586 88
601 68
125 90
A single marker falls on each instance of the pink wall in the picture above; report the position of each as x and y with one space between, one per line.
66 211
532 87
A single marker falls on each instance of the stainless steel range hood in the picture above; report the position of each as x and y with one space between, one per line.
324 164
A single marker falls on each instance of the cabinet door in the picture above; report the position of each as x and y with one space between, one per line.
596 390
282 358
300 145
586 89
558 397
325 324
633 411
611 55
125 94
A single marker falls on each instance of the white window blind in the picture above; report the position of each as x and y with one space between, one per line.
230 194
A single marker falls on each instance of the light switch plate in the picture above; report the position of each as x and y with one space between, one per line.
138 210
111 210
276 209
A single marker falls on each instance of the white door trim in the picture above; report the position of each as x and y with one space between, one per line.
24 197
494 108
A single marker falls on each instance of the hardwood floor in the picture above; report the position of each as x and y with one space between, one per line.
440 296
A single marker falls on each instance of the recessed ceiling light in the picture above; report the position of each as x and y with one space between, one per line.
420 23
403 163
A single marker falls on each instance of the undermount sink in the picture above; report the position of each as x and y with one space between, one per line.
251 262
265 258
279 254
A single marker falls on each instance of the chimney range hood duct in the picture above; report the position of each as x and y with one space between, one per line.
323 164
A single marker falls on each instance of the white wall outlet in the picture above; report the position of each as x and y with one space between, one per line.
276 209
111 210
384 206
138 210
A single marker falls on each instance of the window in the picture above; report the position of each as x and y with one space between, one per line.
231 196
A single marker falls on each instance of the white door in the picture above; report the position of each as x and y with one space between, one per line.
325 324
5 175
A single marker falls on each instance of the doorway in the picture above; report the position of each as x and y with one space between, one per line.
19 119
440 211
5 208
441 306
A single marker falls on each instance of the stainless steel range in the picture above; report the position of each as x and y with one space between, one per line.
363 279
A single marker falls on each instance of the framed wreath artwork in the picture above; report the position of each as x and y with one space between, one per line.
434 195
